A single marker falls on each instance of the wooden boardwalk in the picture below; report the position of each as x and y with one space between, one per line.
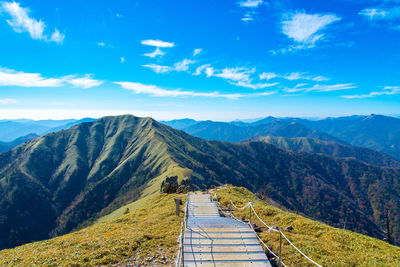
212 240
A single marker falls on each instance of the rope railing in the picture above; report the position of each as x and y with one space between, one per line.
272 228
179 259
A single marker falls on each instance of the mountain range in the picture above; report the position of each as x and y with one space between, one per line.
334 149
53 184
5 146
377 132
13 129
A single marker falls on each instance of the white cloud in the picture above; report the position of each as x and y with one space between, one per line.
155 53
122 59
118 15
8 101
157 43
293 76
235 74
85 82
303 76
320 88
248 84
378 13
139 88
57 37
387 90
22 79
18 78
101 44
21 22
201 68
183 65
268 76
251 3
306 29
249 16
158 68
197 51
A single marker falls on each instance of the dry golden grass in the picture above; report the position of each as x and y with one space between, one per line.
326 245
150 232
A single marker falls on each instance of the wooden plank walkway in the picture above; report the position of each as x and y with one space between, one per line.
212 240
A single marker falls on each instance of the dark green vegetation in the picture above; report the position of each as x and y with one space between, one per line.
5 146
312 145
54 183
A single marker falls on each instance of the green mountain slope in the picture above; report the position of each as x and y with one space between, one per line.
78 174
312 145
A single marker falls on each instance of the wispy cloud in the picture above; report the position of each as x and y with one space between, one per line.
8 101
293 76
157 52
238 76
200 69
378 13
157 43
305 29
235 74
103 44
22 79
255 86
197 51
387 90
85 82
251 3
158 68
122 59
320 88
268 76
21 22
139 88
183 65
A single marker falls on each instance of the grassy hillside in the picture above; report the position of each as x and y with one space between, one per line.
326 245
312 145
147 234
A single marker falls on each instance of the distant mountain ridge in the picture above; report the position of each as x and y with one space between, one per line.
92 168
13 129
5 146
377 132
228 132
312 145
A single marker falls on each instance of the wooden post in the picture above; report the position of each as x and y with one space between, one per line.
250 213
178 202
280 247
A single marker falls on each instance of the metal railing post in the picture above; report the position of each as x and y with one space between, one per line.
280 248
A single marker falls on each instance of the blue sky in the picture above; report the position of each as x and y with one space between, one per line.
219 60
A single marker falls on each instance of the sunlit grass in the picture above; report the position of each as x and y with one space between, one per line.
326 245
149 232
